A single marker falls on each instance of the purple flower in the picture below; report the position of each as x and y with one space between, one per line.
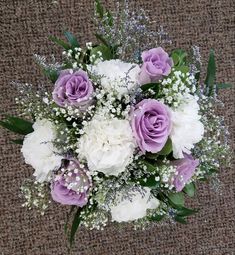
72 186
151 125
73 89
156 65
185 168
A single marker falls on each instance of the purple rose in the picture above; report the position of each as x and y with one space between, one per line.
73 89
156 65
185 168
151 125
72 186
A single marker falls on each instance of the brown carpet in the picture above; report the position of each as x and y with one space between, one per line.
24 28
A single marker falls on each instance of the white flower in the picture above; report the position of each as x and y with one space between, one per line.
127 210
187 129
39 151
107 145
117 76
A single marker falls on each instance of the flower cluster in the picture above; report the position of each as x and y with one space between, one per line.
119 140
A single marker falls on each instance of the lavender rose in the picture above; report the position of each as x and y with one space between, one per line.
156 65
185 169
73 89
151 125
72 186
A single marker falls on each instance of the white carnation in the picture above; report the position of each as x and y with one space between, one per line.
117 76
127 210
107 145
39 151
187 129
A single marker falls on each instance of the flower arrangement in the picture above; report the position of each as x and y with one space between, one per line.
125 129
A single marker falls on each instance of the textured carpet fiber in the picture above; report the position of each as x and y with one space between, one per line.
24 28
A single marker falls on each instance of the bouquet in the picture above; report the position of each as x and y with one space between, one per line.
124 129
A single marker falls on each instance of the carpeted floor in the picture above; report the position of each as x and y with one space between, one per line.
24 28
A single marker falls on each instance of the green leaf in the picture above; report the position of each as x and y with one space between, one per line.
223 86
153 86
180 220
60 42
211 171
75 225
106 53
18 141
67 220
167 149
156 217
190 189
17 125
99 9
71 39
110 19
150 166
114 49
105 16
51 74
149 182
197 77
183 69
183 211
211 72
101 39
179 57
177 198
150 155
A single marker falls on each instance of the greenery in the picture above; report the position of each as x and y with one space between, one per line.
179 57
190 189
17 125
211 72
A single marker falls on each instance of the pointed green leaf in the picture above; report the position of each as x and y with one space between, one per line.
106 53
110 19
75 225
51 74
190 189
67 220
150 167
197 77
99 9
149 182
10 127
17 125
180 220
60 42
211 171
156 218
114 49
183 69
25 125
223 86
183 211
152 86
167 149
177 198
101 39
179 57
18 141
71 39
211 72
150 155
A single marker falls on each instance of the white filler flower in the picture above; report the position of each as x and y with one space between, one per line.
187 129
107 145
117 76
39 151
127 210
